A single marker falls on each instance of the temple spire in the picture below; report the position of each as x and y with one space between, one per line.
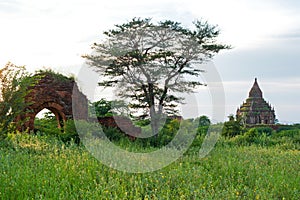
256 110
255 91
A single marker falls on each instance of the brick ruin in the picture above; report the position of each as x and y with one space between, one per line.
61 95
256 110
55 93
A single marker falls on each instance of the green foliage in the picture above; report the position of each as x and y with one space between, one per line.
114 134
166 134
289 137
250 137
105 108
48 126
102 108
288 133
288 127
170 133
142 122
264 130
70 133
15 84
232 127
285 139
204 123
42 167
58 77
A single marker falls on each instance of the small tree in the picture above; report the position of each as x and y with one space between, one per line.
104 108
204 123
101 108
149 63
232 127
14 86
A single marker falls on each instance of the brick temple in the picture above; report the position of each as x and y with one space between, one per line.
256 110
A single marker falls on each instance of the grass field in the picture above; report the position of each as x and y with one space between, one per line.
40 167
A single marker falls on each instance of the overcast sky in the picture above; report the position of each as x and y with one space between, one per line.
265 36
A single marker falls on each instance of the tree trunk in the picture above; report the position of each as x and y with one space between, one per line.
154 121
153 114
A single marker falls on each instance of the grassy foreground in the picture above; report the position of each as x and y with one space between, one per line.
40 167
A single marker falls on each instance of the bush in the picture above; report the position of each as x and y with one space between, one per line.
232 128
291 137
264 130
14 86
69 133
252 136
113 134
166 134
142 122
46 126
293 133
49 127
288 139
89 129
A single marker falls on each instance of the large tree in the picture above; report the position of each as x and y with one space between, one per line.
150 62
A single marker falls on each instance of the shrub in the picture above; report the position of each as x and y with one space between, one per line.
47 126
292 133
232 127
142 122
113 134
165 135
14 86
267 130
69 133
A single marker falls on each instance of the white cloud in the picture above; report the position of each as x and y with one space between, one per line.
244 24
51 32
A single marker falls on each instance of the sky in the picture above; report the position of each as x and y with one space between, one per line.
265 36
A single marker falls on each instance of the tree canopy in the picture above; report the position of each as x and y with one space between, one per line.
103 108
14 86
150 63
232 127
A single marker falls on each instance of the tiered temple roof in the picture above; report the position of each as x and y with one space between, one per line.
256 110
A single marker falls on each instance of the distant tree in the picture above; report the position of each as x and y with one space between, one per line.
101 108
49 116
204 123
104 108
148 63
232 127
14 86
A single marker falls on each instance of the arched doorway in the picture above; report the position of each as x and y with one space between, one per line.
57 94
46 122
55 109
51 114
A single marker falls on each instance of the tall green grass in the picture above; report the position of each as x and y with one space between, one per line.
43 167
